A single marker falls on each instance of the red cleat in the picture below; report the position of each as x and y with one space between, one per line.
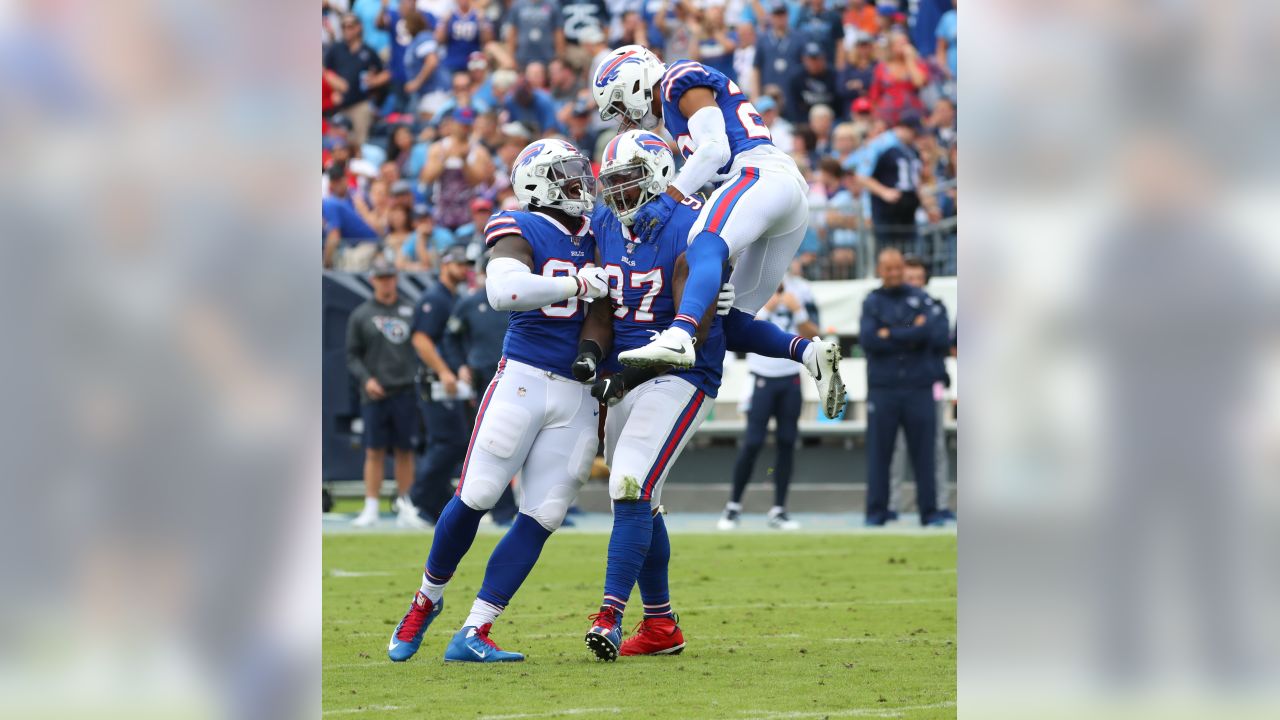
654 636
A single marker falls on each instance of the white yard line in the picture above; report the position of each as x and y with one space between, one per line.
366 708
884 712
554 713
338 572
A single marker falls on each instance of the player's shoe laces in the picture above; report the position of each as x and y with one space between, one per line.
473 644
729 520
407 636
605 634
655 636
672 346
779 520
825 370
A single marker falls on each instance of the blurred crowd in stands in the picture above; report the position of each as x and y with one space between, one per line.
427 102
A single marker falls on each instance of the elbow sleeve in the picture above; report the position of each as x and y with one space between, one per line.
706 129
510 286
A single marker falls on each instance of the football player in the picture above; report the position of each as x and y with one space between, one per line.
534 418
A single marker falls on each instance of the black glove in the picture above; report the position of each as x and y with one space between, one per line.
609 391
584 366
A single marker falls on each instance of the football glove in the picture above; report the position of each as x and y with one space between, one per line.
584 366
609 391
725 302
651 218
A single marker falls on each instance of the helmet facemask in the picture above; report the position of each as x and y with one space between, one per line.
571 186
627 188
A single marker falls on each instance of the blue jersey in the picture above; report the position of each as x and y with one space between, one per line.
742 122
546 338
462 38
640 285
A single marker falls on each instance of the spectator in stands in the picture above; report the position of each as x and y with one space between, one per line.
461 33
471 233
857 69
714 41
399 230
834 215
456 166
814 85
580 131
581 17
344 230
821 122
777 48
420 250
382 361
891 177
916 274
400 147
862 17
423 71
744 60
946 39
376 210
361 69
844 141
942 122
902 330
478 331
394 22
817 24
776 395
534 31
564 83
633 31
896 84
442 407
675 21
532 107
778 126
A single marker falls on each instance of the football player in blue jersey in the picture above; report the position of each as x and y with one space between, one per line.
758 213
534 419
646 277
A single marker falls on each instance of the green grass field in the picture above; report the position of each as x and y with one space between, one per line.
777 626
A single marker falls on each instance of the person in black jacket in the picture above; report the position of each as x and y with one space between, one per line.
902 331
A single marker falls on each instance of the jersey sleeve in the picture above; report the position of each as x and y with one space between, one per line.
500 225
687 74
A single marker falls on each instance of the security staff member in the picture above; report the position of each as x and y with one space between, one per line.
444 412
776 395
916 274
478 330
380 357
902 330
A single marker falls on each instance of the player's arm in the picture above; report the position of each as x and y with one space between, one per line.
595 340
512 286
707 131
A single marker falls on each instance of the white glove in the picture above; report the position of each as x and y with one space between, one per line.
725 302
593 282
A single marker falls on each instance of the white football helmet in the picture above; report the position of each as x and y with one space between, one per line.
553 174
624 82
637 167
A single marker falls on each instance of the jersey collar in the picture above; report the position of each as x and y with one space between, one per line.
586 224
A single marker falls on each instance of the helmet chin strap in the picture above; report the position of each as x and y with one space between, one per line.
649 121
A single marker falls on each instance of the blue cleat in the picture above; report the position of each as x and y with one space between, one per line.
408 634
605 634
472 644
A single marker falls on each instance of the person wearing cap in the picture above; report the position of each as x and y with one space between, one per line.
533 31
442 408
779 129
481 209
777 49
815 84
892 182
381 359
456 166
462 32
362 70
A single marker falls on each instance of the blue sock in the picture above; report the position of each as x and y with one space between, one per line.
743 333
455 530
653 575
706 257
512 560
628 545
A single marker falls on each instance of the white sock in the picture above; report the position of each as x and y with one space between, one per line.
810 358
776 510
433 591
482 613
683 332
736 507
371 505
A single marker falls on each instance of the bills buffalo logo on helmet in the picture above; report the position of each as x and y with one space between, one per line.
529 154
609 73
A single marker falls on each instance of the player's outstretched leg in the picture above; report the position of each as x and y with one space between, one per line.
659 632
628 545
706 256
509 565
743 333
455 532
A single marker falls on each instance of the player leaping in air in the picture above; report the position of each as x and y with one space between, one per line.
653 414
534 418
759 213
